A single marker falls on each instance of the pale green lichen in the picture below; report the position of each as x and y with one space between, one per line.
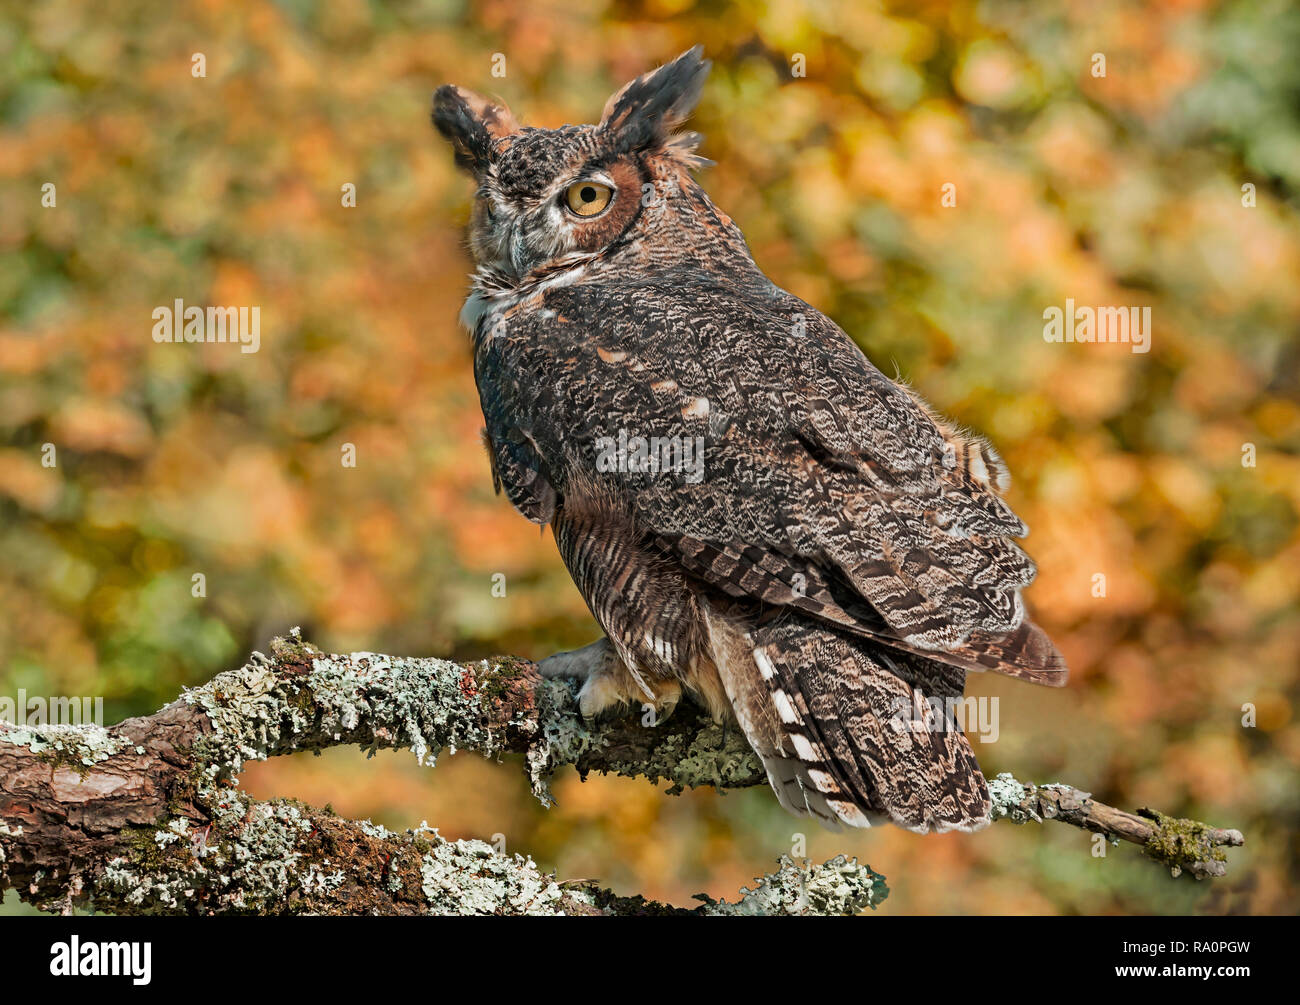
418 703
249 716
253 867
838 887
316 882
1006 795
470 877
260 865
564 739
174 831
142 890
426 705
714 756
265 854
76 746
374 830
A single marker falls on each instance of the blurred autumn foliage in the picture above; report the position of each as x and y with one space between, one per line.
1122 189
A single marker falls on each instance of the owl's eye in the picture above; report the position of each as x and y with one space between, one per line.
588 198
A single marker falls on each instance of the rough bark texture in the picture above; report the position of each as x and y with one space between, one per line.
146 816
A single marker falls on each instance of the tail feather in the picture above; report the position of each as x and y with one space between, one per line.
828 714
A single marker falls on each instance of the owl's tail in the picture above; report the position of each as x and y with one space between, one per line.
849 732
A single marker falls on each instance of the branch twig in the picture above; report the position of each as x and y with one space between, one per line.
1176 841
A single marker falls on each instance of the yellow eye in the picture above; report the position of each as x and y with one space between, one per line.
588 198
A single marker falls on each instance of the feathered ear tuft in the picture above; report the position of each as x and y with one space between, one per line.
645 112
472 124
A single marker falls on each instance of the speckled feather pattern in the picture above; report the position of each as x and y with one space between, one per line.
844 549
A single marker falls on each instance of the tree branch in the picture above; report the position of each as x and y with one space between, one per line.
1176 841
146 816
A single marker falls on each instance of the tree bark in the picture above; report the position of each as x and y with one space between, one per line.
146 816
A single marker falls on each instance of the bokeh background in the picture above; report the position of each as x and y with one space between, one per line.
1115 190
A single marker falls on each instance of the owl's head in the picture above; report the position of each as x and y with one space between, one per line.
552 199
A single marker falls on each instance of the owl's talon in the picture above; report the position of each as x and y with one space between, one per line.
665 712
667 694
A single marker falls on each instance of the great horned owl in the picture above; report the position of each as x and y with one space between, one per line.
750 508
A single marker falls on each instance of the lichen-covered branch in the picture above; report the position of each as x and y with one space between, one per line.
146 816
1177 842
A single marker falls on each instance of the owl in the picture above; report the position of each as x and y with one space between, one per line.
755 515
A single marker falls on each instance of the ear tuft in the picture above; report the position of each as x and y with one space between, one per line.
646 111
472 124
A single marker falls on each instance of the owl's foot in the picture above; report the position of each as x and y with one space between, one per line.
601 697
608 689
609 693
580 663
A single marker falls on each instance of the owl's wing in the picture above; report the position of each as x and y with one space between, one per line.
825 486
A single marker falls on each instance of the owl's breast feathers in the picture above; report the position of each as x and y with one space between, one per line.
828 494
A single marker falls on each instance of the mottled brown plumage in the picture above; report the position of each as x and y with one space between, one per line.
841 554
